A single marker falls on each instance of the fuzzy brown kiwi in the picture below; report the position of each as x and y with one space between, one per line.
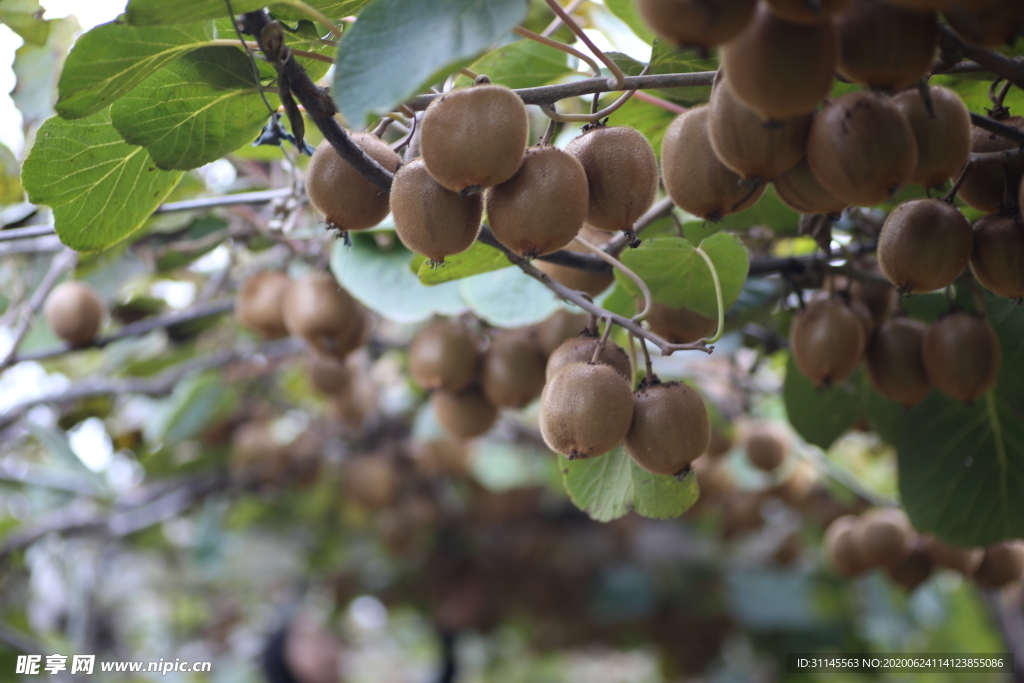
795 489
863 314
986 185
885 47
347 200
959 559
988 23
962 355
997 255
713 478
575 278
371 480
75 312
585 410
581 350
542 207
319 310
1001 564
679 325
827 340
559 327
694 177
255 455
329 376
913 570
843 549
464 415
699 23
886 536
803 12
800 190
925 244
779 68
441 456
670 427
258 306
747 144
622 175
881 298
767 445
444 355
513 370
894 360
472 138
861 148
430 219
943 140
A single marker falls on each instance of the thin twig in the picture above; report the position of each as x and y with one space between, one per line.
568 49
1000 129
660 209
645 291
556 23
61 262
582 35
999 64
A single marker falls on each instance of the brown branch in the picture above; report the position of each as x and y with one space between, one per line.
1010 69
1000 129
660 209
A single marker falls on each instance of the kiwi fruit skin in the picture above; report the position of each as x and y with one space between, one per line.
1001 564
997 255
881 298
886 536
802 12
943 141
622 175
430 219
444 355
670 427
925 244
795 489
861 148
991 23
705 24
464 415
679 325
962 560
559 327
372 481
914 570
255 455
585 410
574 278
886 47
346 199
800 190
542 207
581 350
895 363
827 340
513 370
475 137
767 446
985 187
779 68
747 144
258 306
694 177
843 548
319 310
329 376
962 355
75 312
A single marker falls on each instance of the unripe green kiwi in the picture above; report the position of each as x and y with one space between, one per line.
894 360
885 47
329 376
997 255
767 445
472 138
74 311
581 350
804 12
513 370
700 23
843 549
575 278
444 355
670 427
622 175
430 219
347 200
943 140
694 177
800 190
542 207
259 304
988 23
464 415
585 410
827 340
319 310
886 536
371 480
925 244
560 326
679 325
861 148
963 560
747 144
962 355
988 183
1001 564
913 570
779 68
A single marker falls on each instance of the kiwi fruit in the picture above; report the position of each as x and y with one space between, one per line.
464 415
988 184
585 410
1001 564
781 69
913 570
886 536
475 137
741 513
694 177
804 12
542 207
513 370
861 148
696 23
328 375
679 325
356 406
988 23
863 313
925 244
255 455
943 139
430 219
441 456
843 550
258 306
575 278
997 255
767 445
622 175
371 480
962 355
581 350
880 297
319 310
795 489
713 479
827 340
894 360
885 47
721 441
559 327
800 190
75 312
670 427
444 355
959 559
748 145
348 201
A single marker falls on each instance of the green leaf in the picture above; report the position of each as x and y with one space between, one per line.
306 36
626 11
195 403
508 298
479 258
821 415
436 36
155 12
523 64
37 69
111 59
199 108
769 211
23 17
611 485
10 177
332 9
678 276
101 189
666 59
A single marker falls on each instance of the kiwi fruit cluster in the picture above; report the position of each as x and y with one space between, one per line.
74 311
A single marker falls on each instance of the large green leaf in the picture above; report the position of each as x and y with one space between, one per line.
332 9
769 212
479 258
523 64
436 36
627 12
100 188
508 298
667 59
156 12
37 69
821 415
199 108
23 16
